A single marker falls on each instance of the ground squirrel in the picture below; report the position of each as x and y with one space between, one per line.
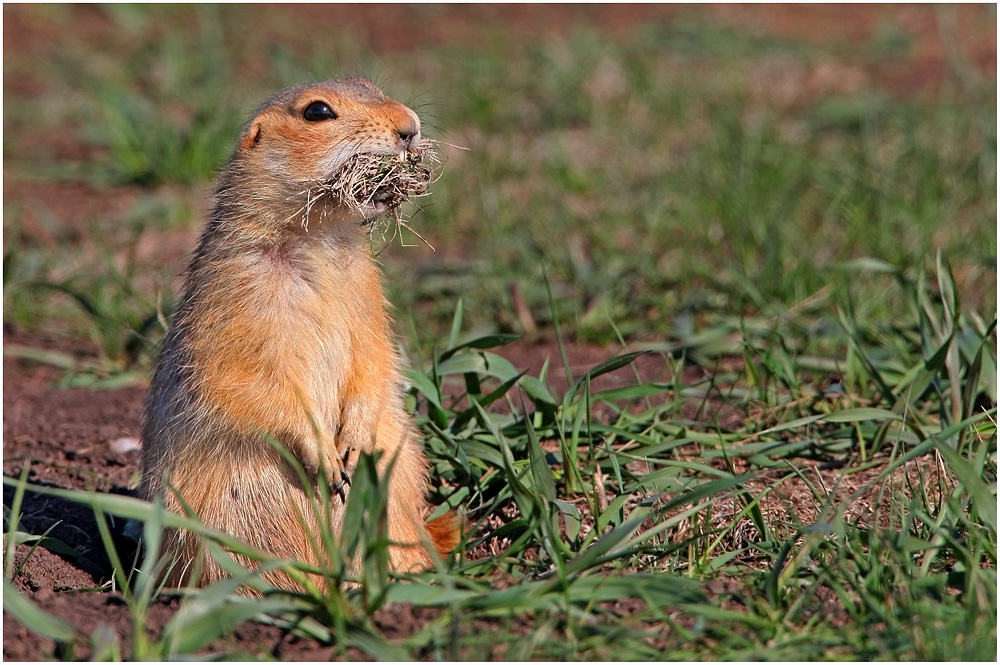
283 329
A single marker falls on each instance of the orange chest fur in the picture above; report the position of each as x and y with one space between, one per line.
284 345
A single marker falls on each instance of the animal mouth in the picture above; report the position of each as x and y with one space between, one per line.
374 184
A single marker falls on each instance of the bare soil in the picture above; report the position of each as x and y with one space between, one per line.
64 436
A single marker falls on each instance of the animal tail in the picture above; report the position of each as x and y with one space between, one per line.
445 532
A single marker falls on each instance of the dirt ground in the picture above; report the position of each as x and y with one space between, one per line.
66 434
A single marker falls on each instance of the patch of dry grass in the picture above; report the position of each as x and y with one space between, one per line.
368 179
386 181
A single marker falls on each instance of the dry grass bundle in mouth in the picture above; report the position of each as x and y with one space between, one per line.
367 180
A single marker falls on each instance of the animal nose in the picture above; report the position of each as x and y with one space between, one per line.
408 130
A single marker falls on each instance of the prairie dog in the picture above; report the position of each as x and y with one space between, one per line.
283 330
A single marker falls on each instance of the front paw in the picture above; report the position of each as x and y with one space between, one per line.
327 466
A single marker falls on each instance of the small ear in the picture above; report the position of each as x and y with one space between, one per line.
252 137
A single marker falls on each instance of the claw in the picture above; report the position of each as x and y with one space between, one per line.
345 481
345 478
339 489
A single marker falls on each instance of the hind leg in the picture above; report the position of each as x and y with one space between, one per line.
406 487
257 502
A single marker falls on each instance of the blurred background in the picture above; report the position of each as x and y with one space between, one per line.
659 169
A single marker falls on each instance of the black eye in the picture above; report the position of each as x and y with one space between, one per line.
318 111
